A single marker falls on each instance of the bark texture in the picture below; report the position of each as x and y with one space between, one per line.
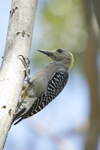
19 39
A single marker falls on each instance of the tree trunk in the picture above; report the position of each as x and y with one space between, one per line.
19 38
90 67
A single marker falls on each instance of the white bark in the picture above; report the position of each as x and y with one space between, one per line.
19 38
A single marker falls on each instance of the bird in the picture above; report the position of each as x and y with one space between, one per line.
45 85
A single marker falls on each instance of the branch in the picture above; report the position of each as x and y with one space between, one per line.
19 38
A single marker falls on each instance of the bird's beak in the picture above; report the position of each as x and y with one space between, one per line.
48 53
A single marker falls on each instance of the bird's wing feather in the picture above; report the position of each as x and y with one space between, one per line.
55 86
57 83
23 108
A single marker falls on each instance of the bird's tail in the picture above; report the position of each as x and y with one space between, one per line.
23 109
19 115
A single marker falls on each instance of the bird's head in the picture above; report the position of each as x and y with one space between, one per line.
60 55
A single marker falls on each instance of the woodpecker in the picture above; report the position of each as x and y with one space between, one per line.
45 85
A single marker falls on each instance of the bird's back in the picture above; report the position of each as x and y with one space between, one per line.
54 87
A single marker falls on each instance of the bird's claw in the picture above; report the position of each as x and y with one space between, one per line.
26 63
24 60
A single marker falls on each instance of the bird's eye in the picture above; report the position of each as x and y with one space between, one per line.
59 50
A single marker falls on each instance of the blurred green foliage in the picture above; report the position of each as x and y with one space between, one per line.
62 26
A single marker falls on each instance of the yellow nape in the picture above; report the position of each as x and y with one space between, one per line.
25 91
71 64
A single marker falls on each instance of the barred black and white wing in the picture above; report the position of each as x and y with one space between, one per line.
55 86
